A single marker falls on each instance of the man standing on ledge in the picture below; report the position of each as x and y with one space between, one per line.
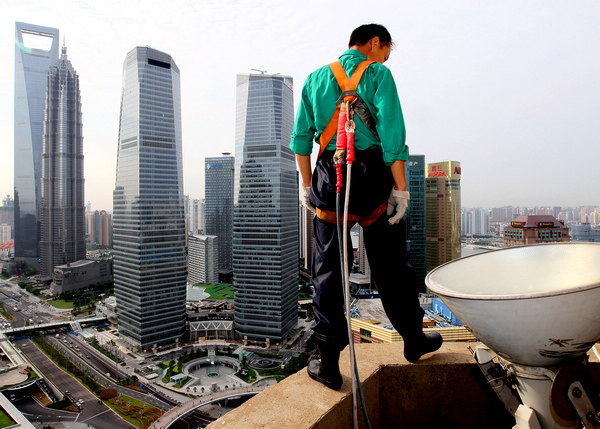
378 199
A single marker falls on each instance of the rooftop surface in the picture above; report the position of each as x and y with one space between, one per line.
444 388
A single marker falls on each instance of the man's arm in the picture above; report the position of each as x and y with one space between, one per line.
399 173
305 169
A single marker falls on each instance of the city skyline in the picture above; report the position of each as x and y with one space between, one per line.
480 83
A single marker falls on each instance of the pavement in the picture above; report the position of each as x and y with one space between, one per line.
14 376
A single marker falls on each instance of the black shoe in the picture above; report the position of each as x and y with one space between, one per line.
414 349
330 378
323 365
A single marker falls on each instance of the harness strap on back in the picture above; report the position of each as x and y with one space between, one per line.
345 85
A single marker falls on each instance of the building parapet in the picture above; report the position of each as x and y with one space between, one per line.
443 389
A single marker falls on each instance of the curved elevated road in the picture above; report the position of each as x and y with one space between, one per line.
174 414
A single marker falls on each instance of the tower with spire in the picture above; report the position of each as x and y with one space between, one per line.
62 214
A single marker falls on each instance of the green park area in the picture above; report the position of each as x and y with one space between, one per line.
218 290
61 303
9 317
138 413
5 420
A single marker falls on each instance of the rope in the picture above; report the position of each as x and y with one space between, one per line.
345 142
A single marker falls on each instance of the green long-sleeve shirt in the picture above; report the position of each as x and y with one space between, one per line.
377 89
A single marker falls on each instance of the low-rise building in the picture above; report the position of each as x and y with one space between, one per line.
534 229
210 325
108 307
81 274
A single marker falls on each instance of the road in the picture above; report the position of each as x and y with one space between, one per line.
98 365
95 413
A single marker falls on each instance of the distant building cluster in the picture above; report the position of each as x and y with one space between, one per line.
99 228
7 223
582 223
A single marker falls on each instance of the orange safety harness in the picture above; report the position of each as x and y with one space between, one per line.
342 122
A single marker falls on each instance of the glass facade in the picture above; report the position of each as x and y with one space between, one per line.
149 227
31 74
442 212
218 200
265 223
415 217
62 210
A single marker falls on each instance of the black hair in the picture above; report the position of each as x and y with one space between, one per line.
364 33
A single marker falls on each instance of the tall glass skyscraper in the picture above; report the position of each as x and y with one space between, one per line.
415 217
265 223
31 74
149 227
218 199
62 212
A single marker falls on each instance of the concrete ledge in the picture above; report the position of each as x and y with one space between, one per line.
444 388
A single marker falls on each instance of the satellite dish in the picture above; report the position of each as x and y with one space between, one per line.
533 305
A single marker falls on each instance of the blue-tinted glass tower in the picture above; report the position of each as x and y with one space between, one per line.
31 74
265 225
218 201
62 211
149 227
415 217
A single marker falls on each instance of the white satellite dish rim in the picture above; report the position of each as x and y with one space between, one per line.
444 291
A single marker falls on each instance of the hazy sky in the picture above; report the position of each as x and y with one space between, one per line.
510 89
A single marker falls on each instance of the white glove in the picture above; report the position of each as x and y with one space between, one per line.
306 199
399 201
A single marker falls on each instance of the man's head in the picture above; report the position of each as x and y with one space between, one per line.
373 40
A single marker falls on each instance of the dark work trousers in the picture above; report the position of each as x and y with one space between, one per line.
391 273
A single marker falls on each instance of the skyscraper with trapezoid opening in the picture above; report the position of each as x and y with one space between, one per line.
36 49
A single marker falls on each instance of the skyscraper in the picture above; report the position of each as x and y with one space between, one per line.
195 217
306 232
218 198
415 217
475 221
442 212
62 211
36 49
363 261
149 232
265 223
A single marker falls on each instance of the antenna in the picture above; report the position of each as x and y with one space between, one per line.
260 71
64 48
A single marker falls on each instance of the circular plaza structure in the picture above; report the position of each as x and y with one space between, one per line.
212 373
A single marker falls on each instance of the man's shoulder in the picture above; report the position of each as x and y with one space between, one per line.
319 78
378 69
321 72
